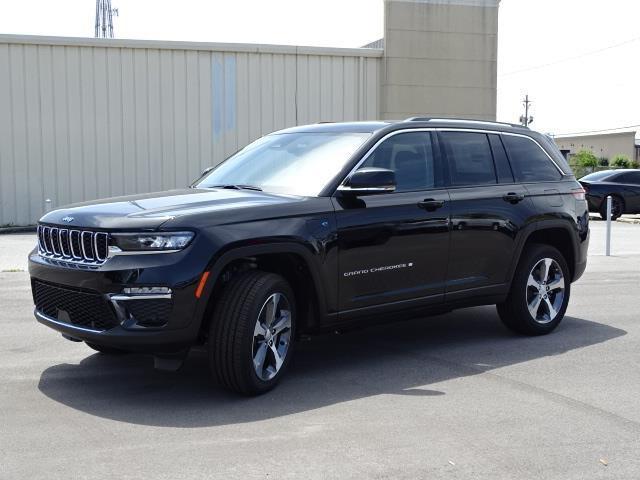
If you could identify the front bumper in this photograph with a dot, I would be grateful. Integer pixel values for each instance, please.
(91, 304)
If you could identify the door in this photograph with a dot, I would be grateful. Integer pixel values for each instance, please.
(488, 209)
(393, 247)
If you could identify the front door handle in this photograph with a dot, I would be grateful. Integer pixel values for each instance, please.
(429, 204)
(513, 197)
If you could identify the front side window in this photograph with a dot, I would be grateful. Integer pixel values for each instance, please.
(528, 161)
(469, 158)
(289, 163)
(410, 156)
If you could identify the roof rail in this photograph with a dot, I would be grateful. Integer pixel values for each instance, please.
(460, 120)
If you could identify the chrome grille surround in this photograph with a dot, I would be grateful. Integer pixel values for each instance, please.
(74, 246)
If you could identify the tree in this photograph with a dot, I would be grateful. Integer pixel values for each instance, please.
(621, 161)
(585, 158)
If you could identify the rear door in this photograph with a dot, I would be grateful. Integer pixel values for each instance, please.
(550, 191)
(488, 209)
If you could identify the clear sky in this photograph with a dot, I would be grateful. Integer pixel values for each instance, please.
(579, 60)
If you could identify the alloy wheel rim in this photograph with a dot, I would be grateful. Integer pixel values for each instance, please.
(271, 336)
(545, 290)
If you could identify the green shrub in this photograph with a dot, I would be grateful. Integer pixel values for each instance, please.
(621, 161)
(584, 158)
(604, 162)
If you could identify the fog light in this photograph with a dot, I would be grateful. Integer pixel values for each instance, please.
(146, 290)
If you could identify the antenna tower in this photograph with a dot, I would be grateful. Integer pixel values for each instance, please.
(104, 19)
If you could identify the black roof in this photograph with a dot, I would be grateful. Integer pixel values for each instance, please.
(375, 126)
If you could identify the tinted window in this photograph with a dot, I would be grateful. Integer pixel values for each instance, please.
(528, 161)
(628, 177)
(598, 176)
(500, 158)
(469, 158)
(410, 156)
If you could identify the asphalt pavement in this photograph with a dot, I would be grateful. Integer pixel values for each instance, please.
(452, 396)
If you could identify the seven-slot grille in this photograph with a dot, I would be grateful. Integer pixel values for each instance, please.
(82, 246)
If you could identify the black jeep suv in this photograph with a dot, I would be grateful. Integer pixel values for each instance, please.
(319, 228)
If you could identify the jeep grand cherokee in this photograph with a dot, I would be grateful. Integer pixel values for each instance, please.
(317, 228)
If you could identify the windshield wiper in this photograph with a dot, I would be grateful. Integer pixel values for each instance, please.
(238, 187)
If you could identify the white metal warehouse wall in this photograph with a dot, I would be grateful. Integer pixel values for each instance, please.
(83, 119)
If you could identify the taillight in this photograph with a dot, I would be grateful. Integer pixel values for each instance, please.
(579, 193)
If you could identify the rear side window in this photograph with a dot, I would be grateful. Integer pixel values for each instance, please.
(469, 158)
(528, 161)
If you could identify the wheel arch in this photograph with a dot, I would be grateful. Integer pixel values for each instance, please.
(292, 261)
(556, 234)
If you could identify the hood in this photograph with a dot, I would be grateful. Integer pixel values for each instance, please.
(149, 211)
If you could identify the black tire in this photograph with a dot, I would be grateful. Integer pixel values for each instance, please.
(617, 207)
(514, 312)
(231, 335)
(105, 350)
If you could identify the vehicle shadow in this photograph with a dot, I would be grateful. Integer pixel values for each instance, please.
(395, 359)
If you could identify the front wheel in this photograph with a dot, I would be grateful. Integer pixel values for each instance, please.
(252, 332)
(539, 292)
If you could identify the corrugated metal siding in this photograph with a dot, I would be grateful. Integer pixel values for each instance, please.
(80, 121)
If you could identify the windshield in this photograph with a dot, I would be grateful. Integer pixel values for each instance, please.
(290, 163)
(598, 175)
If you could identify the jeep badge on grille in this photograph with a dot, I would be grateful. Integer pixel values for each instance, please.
(67, 219)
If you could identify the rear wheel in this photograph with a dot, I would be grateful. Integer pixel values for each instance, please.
(539, 293)
(617, 207)
(105, 350)
(252, 332)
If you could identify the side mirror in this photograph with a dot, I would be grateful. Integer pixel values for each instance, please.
(370, 181)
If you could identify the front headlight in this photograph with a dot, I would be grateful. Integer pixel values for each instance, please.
(145, 242)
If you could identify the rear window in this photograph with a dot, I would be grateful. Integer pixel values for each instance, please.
(528, 161)
(469, 157)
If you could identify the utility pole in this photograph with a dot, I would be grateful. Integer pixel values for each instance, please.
(526, 119)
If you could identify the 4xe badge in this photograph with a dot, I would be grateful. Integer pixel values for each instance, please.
(67, 219)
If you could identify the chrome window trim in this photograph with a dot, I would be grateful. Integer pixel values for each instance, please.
(441, 129)
(344, 188)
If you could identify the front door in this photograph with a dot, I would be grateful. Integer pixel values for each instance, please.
(393, 247)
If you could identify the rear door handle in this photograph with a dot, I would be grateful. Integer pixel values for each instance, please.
(513, 197)
(429, 204)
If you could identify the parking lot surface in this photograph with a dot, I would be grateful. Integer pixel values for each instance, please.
(452, 396)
